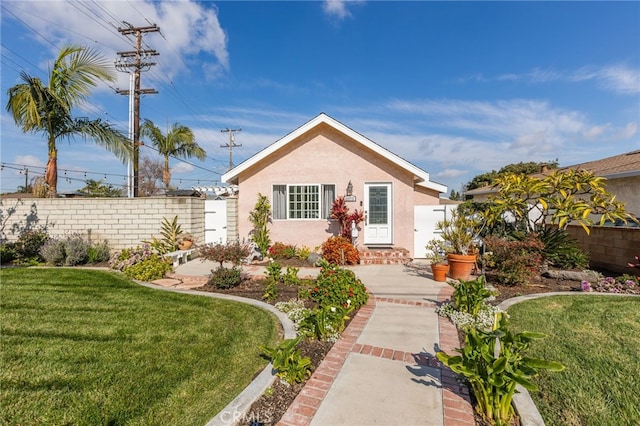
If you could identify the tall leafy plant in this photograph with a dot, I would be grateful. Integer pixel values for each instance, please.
(340, 213)
(260, 217)
(494, 373)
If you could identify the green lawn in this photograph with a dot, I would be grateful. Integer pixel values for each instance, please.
(91, 347)
(598, 339)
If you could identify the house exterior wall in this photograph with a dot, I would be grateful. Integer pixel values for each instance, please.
(608, 247)
(123, 222)
(627, 190)
(425, 196)
(326, 156)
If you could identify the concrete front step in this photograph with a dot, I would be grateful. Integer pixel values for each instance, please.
(384, 256)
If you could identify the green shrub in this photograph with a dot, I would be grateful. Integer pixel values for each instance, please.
(98, 252)
(561, 250)
(73, 250)
(303, 252)
(337, 286)
(290, 277)
(340, 251)
(273, 271)
(28, 246)
(222, 277)
(469, 307)
(324, 323)
(469, 296)
(515, 261)
(287, 361)
(53, 251)
(76, 250)
(270, 291)
(8, 253)
(152, 268)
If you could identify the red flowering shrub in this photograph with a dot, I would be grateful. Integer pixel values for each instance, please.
(515, 261)
(340, 251)
(282, 251)
(337, 286)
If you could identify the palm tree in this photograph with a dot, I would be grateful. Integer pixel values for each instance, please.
(46, 108)
(179, 142)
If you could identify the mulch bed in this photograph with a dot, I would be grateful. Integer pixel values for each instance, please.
(272, 405)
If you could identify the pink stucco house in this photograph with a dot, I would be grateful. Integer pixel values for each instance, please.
(303, 172)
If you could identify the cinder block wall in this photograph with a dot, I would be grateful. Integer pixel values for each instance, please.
(609, 247)
(232, 219)
(123, 222)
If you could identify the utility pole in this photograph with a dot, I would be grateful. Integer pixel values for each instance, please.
(231, 144)
(134, 59)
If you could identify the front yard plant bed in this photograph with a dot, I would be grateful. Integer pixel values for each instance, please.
(273, 404)
(92, 347)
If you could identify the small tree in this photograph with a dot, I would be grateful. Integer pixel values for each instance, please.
(260, 217)
(560, 198)
(150, 173)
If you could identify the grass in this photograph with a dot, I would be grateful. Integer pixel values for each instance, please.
(598, 339)
(91, 347)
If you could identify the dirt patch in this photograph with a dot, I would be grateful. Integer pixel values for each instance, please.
(536, 285)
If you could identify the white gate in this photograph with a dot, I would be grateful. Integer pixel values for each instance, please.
(425, 219)
(215, 221)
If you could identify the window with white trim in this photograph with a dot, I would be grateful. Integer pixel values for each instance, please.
(302, 201)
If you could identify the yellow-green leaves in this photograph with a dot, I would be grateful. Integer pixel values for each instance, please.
(561, 198)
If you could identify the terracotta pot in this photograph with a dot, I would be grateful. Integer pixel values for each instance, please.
(439, 271)
(185, 245)
(460, 265)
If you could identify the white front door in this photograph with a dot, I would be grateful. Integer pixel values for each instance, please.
(377, 213)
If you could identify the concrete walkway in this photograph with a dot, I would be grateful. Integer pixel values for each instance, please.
(383, 369)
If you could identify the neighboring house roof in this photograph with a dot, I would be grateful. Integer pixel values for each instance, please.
(616, 167)
(421, 177)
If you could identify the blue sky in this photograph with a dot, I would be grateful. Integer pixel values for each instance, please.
(457, 88)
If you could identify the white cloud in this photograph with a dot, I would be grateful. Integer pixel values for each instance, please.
(594, 132)
(617, 78)
(339, 8)
(629, 131)
(336, 8)
(620, 79)
(29, 161)
(188, 28)
(451, 173)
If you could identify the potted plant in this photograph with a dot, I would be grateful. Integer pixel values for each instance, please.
(185, 241)
(460, 233)
(436, 252)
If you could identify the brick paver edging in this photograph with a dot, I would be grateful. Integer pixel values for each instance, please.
(456, 403)
(457, 409)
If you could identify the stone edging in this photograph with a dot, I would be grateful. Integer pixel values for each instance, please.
(522, 402)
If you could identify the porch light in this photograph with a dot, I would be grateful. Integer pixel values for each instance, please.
(350, 189)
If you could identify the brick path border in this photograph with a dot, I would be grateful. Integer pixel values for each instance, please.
(457, 410)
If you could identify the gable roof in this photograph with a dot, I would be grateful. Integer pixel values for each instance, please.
(421, 177)
(615, 167)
